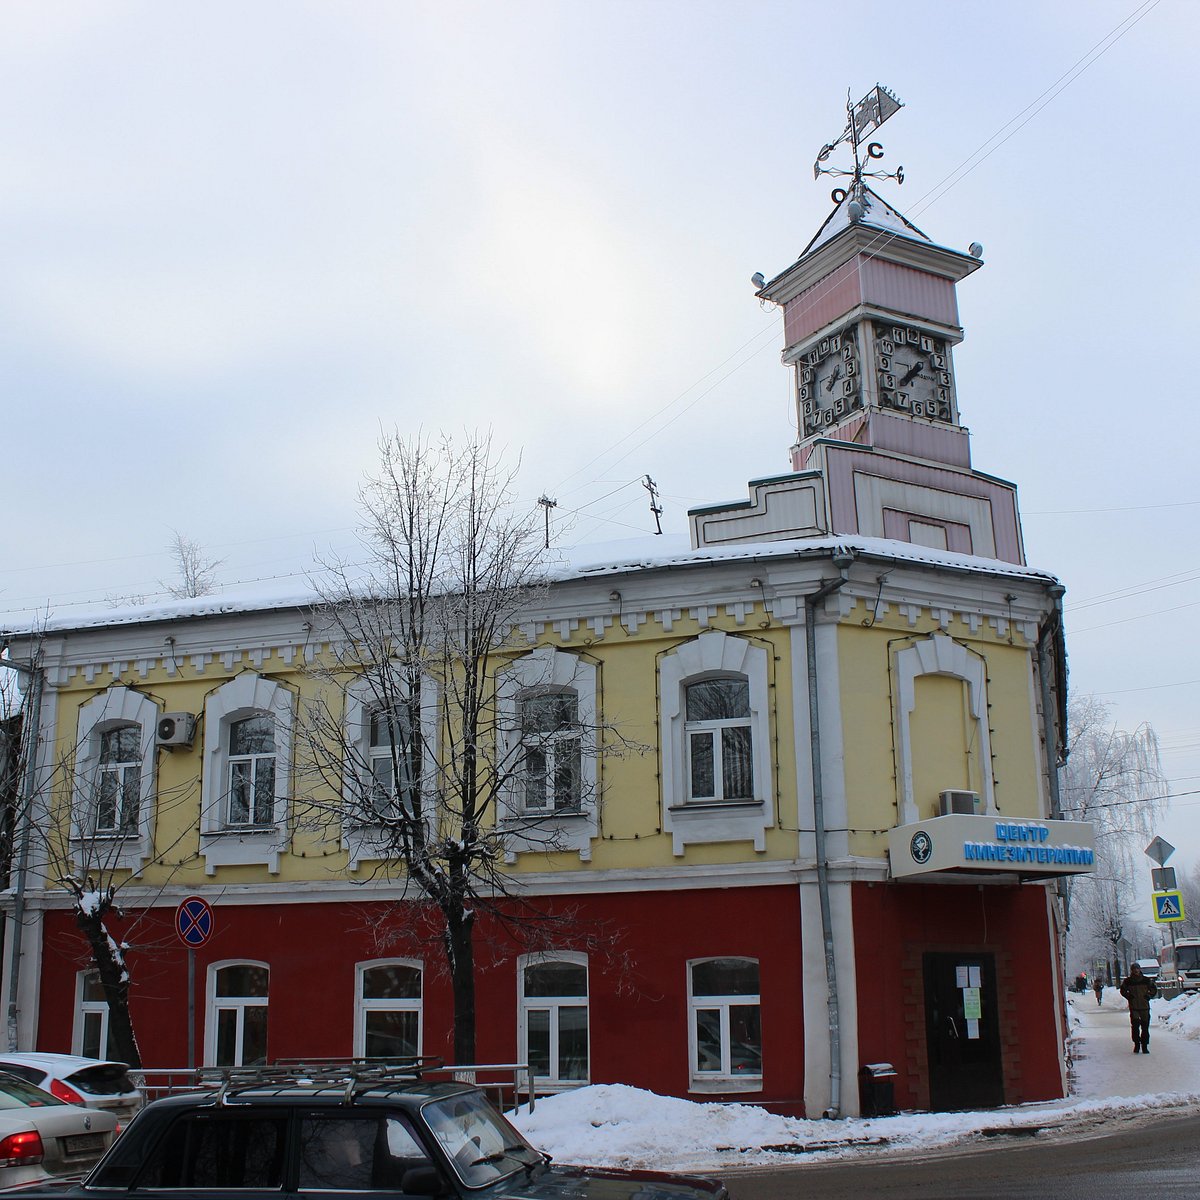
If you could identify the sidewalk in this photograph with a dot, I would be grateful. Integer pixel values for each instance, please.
(1105, 1066)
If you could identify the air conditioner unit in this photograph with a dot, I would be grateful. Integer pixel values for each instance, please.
(952, 801)
(176, 729)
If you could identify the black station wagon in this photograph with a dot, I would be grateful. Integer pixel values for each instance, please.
(367, 1132)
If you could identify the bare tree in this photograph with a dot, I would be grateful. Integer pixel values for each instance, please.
(413, 749)
(196, 573)
(1115, 779)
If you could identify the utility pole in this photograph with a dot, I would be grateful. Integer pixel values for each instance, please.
(655, 506)
(547, 504)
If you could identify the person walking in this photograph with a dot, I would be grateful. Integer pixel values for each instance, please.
(1139, 991)
(1098, 988)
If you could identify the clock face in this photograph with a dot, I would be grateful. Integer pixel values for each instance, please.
(828, 382)
(914, 372)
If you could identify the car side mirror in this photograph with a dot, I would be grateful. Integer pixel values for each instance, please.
(423, 1181)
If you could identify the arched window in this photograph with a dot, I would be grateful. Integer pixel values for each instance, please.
(237, 1014)
(551, 752)
(251, 792)
(725, 1027)
(553, 1000)
(91, 1022)
(388, 1001)
(720, 743)
(119, 780)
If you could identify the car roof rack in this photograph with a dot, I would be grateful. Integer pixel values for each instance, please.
(355, 1074)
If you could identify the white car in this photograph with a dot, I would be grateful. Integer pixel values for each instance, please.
(42, 1137)
(90, 1082)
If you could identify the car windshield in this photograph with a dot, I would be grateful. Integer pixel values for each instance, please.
(1188, 958)
(16, 1093)
(480, 1144)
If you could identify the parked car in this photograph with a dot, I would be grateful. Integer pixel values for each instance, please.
(43, 1138)
(347, 1129)
(90, 1082)
(1150, 967)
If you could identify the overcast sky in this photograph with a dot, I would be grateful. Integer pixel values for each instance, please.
(239, 238)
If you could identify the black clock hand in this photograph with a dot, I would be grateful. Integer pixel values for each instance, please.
(833, 379)
(911, 373)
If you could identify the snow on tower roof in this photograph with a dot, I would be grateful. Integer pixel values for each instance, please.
(877, 214)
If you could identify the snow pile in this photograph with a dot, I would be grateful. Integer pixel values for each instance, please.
(1181, 1015)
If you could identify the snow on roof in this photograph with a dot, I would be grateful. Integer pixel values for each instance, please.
(878, 214)
(574, 563)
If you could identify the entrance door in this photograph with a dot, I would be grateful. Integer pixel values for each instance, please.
(962, 1030)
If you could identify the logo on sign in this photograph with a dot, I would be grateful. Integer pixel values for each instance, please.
(921, 847)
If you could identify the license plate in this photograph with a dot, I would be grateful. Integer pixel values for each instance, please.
(84, 1143)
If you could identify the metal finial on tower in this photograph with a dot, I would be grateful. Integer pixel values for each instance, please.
(861, 119)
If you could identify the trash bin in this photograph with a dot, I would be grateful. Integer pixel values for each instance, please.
(877, 1090)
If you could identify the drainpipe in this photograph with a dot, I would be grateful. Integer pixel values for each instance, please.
(842, 559)
(1054, 722)
(32, 677)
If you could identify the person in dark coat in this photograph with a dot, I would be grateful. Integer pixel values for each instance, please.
(1139, 991)
(1098, 988)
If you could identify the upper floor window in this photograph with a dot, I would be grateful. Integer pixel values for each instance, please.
(389, 1010)
(554, 1018)
(237, 1016)
(715, 740)
(115, 776)
(551, 752)
(246, 776)
(389, 767)
(119, 785)
(252, 770)
(720, 742)
(726, 1028)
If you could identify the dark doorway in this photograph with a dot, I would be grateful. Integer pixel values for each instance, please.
(962, 1030)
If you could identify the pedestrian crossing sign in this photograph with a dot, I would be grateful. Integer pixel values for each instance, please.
(1168, 906)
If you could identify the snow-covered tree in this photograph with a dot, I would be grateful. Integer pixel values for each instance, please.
(196, 573)
(1113, 778)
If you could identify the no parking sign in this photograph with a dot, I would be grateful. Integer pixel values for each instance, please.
(194, 922)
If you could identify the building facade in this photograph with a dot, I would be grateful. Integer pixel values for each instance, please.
(830, 839)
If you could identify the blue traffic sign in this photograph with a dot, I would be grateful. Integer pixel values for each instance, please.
(194, 921)
(1168, 906)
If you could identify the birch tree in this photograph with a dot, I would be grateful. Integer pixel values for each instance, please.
(1113, 778)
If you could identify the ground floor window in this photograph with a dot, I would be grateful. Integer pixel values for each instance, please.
(725, 1022)
(91, 1027)
(237, 1014)
(388, 1021)
(554, 1018)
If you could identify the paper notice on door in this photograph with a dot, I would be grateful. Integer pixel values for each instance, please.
(972, 1008)
(976, 977)
(961, 977)
(972, 1029)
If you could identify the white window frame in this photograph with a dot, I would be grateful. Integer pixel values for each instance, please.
(572, 831)
(364, 1005)
(527, 1004)
(714, 654)
(221, 843)
(256, 761)
(112, 708)
(84, 1009)
(548, 744)
(366, 841)
(724, 1080)
(713, 730)
(239, 1004)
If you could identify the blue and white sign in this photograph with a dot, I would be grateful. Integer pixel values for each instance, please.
(962, 842)
(1168, 906)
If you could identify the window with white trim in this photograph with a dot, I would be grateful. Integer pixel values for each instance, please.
(91, 1023)
(551, 770)
(247, 762)
(237, 1014)
(115, 775)
(553, 1002)
(119, 781)
(388, 1000)
(251, 771)
(715, 741)
(725, 1024)
(719, 738)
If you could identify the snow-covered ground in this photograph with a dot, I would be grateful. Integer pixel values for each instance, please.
(618, 1126)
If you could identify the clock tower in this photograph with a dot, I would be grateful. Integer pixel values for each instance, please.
(870, 322)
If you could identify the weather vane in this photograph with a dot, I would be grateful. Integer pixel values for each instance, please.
(861, 119)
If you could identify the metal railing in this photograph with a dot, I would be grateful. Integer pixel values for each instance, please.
(509, 1084)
